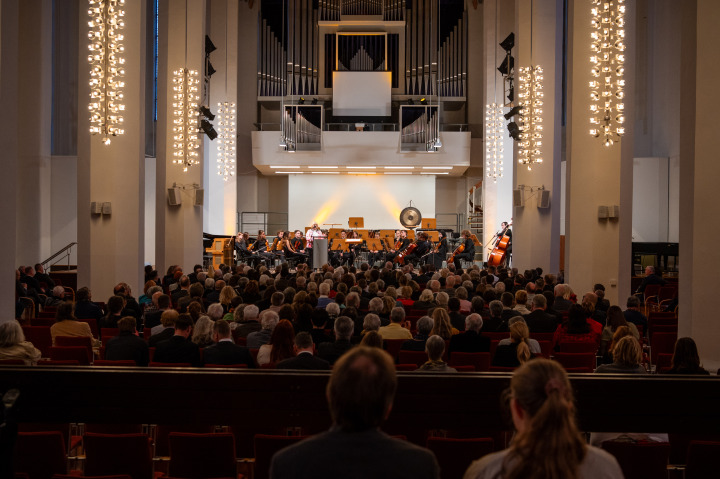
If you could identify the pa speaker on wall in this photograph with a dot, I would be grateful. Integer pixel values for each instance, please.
(174, 198)
(543, 199)
(95, 208)
(199, 197)
(519, 197)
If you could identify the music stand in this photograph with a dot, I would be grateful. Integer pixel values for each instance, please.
(387, 234)
(356, 222)
(339, 245)
(433, 236)
(428, 224)
(375, 244)
(334, 233)
(362, 233)
(411, 235)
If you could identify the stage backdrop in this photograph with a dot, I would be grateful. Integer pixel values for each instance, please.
(377, 198)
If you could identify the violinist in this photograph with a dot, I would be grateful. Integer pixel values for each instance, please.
(294, 248)
(278, 246)
(243, 251)
(261, 247)
(467, 248)
(402, 242)
(423, 247)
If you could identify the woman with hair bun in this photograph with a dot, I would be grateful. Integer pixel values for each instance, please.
(547, 443)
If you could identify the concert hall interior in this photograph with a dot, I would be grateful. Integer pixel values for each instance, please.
(322, 111)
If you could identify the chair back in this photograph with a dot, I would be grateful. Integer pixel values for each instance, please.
(42, 321)
(265, 447)
(542, 336)
(70, 341)
(640, 460)
(480, 361)
(12, 362)
(545, 348)
(662, 343)
(109, 332)
(578, 347)
(40, 454)
(108, 454)
(496, 336)
(406, 367)
(40, 337)
(217, 458)
(70, 353)
(154, 364)
(577, 360)
(163, 431)
(455, 455)
(703, 459)
(92, 322)
(392, 346)
(412, 357)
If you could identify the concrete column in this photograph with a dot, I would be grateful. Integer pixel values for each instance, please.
(111, 246)
(35, 98)
(9, 129)
(221, 195)
(699, 143)
(179, 228)
(497, 195)
(536, 231)
(597, 251)
(247, 95)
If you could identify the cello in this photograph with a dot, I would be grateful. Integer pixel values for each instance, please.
(457, 251)
(499, 251)
(400, 258)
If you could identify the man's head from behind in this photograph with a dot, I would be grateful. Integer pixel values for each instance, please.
(361, 389)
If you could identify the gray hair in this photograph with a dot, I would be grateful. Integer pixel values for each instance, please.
(473, 322)
(539, 301)
(269, 319)
(215, 311)
(324, 288)
(425, 325)
(435, 347)
(59, 292)
(426, 295)
(333, 309)
(352, 300)
(496, 308)
(442, 298)
(209, 283)
(151, 290)
(376, 305)
(203, 329)
(397, 314)
(11, 333)
(251, 312)
(516, 319)
(344, 327)
(371, 322)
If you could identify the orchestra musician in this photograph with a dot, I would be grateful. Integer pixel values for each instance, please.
(468, 252)
(243, 251)
(373, 254)
(442, 247)
(294, 247)
(402, 242)
(338, 258)
(312, 233)
(278, 245)
(261, 247)
(508, 232)
(423, 247)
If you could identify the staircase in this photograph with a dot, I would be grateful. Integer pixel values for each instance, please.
(475, 215)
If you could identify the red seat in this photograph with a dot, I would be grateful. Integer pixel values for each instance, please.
(70, 341)
(465, 368)
(640, 460)
(545, 348)
(217, 457)
(703, 459)
(114, 428)
(70, 353)
(108, 454)
(40, 337)
(12, 362)
(495, 336)
(241, 341)
(147, 333)
(480, 361)
(412, 357)
(92, 322)
(169, 365)
(392, 346)
(661, 343)
(254, 352)
(42, 322)
(265, 447)
(163, 431)
(578, 347)
(40, 454)
(500, 369)
(542, 336)
(455, 455)
(109, 332)
(664, 362)
(58, 362)
(577, 360)
(61, 427)
(650, 295)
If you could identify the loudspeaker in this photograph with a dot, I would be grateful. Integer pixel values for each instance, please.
(107, 208)
(613, 211)
(199, 197)
(543, 199)
(174, 198)
(519, 197)
(96, 208)
(602, 212)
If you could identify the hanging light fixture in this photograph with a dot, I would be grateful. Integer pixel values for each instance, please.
(494, 118)
(106, 67)
(530, 83)
(227, 142)
(607, 88)
(185, 117)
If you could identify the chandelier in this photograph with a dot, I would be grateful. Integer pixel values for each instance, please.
(494, 141)
(607, 108)
(185, 117)
(531, 102)
(106, 67)
(228, 137)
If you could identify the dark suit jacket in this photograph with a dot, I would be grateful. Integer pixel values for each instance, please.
(331, 352)
(304, 361)
(457, 320)
(562, 304)
(152, 319)
(177, 350)
(88, 310)
(166, 333)
(539, 321)
(226, 352)
(469, 342)
(246, 327)
(127, 346)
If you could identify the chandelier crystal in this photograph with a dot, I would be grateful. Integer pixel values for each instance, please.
(494, 141)
(531, 103)
(106, 67)
(227, 137)
(185, 117)
(607, 108)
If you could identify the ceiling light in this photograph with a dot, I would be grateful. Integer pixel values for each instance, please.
(323, 167)
(325, 172)
(288, 172)
(433, 173)
(437, 167)
(360, 167)
(283, 167)
(399, 167)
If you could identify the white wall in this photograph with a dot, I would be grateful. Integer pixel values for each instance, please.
(378, 198)
(63, 205)
(650, 200)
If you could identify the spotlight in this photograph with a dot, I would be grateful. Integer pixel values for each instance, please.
(508, 43)
(210, 70)
(207, 113)
(423, 101)
(514, 130)
(301, 101)
(511, 93)
(515, 111)
(314, 101)
(208, 129)
(410, 101)
(507, 65)
(209, 46)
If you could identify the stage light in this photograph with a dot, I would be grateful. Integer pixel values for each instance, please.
(508, 43)
(207, 113)
(514, 111)
(410, 101)
(314, 101)
(301, 101)
(210, 70)
(209, 46)
(423, 101)
(208, 129)
(507, 65)
(514, 130)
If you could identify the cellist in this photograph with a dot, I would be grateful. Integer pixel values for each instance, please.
(466, 249)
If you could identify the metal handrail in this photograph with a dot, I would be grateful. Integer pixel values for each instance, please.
(65, 250)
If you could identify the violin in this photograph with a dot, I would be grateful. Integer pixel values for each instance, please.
(457, 251)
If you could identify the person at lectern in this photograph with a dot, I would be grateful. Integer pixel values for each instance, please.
(312, 233)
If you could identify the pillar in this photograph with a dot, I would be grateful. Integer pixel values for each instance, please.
(597, 251)
(111, 246)
(536, 231)
(178, 228)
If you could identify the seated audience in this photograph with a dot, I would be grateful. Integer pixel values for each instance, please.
(435, 347)
(457, 319)
(152, 319)
(127, 344)
(14, 346)
(534, 345)
(202, 334)
(395, 329)
(547, 442)
(615, 319)
(539, 320)
(268, 321)
(280, 346)
(248, 321)
(360, 395)
(225, 351)
(577, 328)
(116, 307)
(517, 352)
(426, 300)
(331, 351)
(57, 297)
(494, 322)
(685, 358)
(633, 314)
(179, 348)
(371, 322)
(627, 355)
(165, 330)
(84, 307)
(424, 328)
(441, 324)
(66, 324)
(304, 358)
(372, 339)
(472, 340)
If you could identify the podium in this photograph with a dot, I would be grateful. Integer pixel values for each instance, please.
(221, 251)
(319, 253)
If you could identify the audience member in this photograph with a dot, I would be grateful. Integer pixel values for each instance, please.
(179, 348)
(280, 346)
(268, 321)
(166, 328)
(633, 314)
(225, 351)
(441, 324)
(539, 321)
(66, 324)
(517, 351)
(304, 358)
(472, 340)
(372, 339)
(14, 346)
(685, 359)
(424, 328)
(249, 322)
(435, 347)
(127, 345)
(331, 351)
(627, 355)
(395, 329)
(202, 334)
(84, 307)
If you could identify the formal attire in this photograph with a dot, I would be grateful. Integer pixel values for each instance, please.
(394, 331)
(538, 321)
(365, 454)
(163, 335)
(88, 310)
(227, 352)
(177, 349)
(469, 342)
(331, 352)
(128, 346)
(304, 360)
(258, 338)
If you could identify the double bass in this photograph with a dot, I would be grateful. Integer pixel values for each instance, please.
(498, 254)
